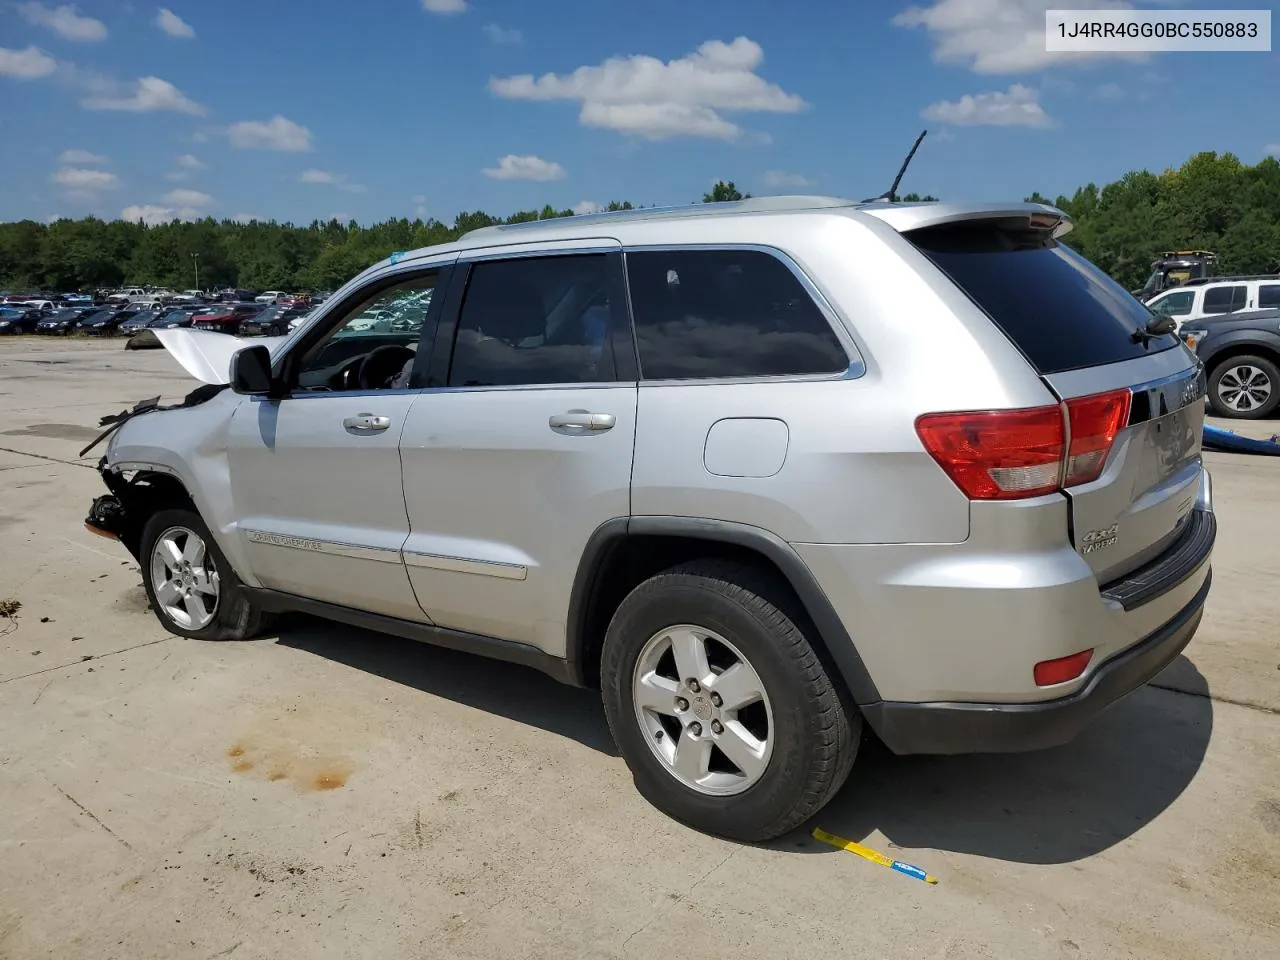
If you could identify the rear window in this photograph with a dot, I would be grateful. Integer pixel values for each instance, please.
(1060, 310)
(1269, 295)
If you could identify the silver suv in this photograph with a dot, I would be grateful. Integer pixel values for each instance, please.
(769, 473)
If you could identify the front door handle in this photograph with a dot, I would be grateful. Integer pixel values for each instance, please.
(582, 420)
(363, 423)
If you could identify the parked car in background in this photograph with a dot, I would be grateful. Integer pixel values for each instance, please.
(1217, 296)
(19, 318)
(76, 299)
(300, 320)
(45, 307)
(180, 316)
(105, 322)
(270, 296)
(64, 321)
(226, 317)
(1241, 353)
(271, 322)
(140, 320)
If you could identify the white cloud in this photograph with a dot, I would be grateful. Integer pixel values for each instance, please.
(999, 36)
(84, 179)
(512, 167)
(444, 6)
(190, 161)
(1019, 106)
(278, 133)
(419, 202)
(81, 156)
(646, 97)
(64, 21)
(505, 36)
(188, 198)
(29, 64)
(777, 179)
(153, 215)
(338, 180)
(174, 25)
(1272, 149)
(342, 217)
(585, 207)
(148, 95)
(248, 218)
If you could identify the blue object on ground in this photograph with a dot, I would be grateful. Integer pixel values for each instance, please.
(1215, 438)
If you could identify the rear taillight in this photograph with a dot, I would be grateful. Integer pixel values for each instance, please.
(1094, 421)
(1014, 454)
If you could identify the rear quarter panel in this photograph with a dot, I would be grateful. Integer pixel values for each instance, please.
(854, 469)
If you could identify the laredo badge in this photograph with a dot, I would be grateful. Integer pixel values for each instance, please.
(1096, 540)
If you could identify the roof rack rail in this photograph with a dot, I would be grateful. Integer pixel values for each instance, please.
(1232, 278)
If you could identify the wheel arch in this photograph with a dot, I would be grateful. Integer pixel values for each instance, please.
(1241, 344)
(149, 489)
(624, 551)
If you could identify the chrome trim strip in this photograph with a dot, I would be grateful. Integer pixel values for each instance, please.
(484, 568)
(333, 548)
(1159, 398)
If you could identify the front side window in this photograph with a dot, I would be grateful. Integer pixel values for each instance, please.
(726, 314)
(365, 350)
(535, 320)
(1224, 299)
(1175, 304)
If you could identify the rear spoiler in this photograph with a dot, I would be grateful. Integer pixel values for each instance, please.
(905, 217)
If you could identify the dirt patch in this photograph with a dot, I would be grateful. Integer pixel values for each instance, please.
(55, 431)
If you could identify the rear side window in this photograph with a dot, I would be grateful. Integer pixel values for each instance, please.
(1060, 310)
(726, 313)
(1225, 299)
(535, 320)
(1269, 295)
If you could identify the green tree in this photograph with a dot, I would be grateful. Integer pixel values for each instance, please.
(724, 192)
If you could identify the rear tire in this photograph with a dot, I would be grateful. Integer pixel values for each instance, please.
(1245, 387)
(752, 772)
(189, 583)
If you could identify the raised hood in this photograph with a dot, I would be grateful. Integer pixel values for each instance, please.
(206, 355)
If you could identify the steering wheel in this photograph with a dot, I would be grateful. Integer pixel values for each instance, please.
(381, 365)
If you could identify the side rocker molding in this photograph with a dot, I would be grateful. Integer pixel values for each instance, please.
(611, 535)
(273, 601)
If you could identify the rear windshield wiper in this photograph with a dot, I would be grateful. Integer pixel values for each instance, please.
(1157, 327)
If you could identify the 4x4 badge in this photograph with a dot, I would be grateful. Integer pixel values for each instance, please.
(1099, 539)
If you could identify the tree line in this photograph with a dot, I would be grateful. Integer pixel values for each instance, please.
(1212, 202)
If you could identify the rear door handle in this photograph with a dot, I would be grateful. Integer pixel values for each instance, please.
(366, 423)
(582, 420)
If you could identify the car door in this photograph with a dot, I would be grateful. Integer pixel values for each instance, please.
(520, 445)
(315, 475)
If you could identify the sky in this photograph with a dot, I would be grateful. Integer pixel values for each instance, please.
(292, 110)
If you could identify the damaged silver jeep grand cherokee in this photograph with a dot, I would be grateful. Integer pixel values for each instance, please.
(764, 472)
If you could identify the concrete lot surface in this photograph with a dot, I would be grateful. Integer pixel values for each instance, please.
(327, 793)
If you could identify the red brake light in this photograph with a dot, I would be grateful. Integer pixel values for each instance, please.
(997, 454)
(1049, 672)
(1013, 454)
(1095, 421)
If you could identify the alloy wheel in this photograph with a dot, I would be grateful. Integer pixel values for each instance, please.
(184, 579)
(703, 710)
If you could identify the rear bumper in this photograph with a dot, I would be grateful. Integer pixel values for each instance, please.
(948, 728)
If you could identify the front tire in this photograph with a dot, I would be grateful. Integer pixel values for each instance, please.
(720, 705)
(189, 583)
(1245, 388)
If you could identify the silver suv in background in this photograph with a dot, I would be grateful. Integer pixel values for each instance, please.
(767, 473)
